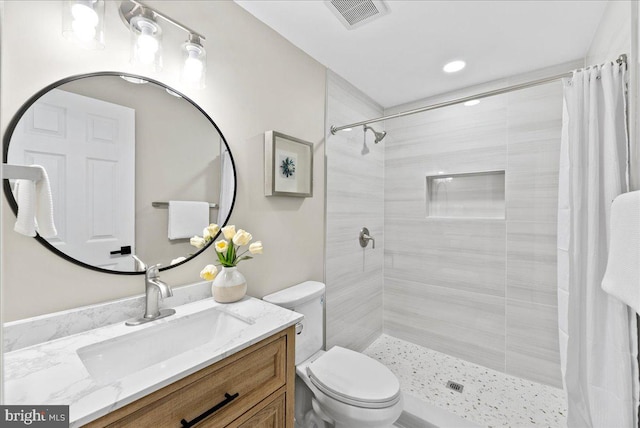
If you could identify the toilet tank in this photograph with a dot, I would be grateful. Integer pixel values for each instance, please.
(307, 299)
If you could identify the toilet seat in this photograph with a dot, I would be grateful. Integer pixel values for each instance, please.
(354, 378)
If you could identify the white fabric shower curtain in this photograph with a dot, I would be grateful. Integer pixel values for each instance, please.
(598, 337)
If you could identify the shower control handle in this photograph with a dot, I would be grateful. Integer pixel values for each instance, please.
(365, 238)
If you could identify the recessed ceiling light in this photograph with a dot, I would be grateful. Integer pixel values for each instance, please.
(454, 66)
(472, 103)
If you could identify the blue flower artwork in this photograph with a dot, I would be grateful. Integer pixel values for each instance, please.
(288, 167)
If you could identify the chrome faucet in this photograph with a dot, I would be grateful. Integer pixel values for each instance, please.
(154, 289)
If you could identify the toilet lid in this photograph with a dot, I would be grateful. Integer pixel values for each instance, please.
(354, 378)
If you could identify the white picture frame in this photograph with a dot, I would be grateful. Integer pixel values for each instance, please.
(288, 166)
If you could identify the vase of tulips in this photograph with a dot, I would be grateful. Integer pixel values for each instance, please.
(229, 285)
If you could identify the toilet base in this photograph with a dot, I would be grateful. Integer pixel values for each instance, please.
(332, 413)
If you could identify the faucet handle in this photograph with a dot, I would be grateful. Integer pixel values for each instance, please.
(364, 238)
(153, 272)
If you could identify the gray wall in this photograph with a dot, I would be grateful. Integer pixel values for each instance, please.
(257, 81)
(355, 199)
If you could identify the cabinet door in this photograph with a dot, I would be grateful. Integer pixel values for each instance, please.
(272, 416)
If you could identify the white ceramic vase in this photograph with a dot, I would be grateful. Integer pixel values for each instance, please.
(229, 285)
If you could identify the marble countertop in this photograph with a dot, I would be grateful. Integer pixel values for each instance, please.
(52, 372)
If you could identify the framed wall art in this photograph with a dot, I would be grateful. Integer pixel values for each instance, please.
(288, 166)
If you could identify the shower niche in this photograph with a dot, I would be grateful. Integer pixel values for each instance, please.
(478, 195)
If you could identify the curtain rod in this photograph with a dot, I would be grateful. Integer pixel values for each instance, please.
(622, 59)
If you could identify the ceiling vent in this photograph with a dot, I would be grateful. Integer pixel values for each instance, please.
(354, 13)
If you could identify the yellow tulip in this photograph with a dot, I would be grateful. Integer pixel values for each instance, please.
(221, 246)
(209, 272)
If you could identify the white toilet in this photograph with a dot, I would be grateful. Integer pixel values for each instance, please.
(338, 387)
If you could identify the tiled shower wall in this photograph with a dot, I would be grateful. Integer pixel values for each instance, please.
(355, 199)
(482, 289)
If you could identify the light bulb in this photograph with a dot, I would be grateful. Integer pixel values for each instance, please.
(83, 31)
(84, 14)
(195, 63)
(83, 22)
(193, 69)
(147, 43)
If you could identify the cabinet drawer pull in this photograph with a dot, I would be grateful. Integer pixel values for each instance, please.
(228, 399)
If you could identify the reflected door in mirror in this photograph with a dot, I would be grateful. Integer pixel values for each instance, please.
(87, 147)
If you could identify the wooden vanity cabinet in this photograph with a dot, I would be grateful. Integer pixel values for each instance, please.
(262, 376)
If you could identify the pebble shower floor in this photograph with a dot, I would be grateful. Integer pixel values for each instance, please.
(489, 398)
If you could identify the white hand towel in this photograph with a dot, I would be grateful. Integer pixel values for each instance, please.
(622, 277)
(44, 206)
(35, 206)
(187, 218)
(25, 194)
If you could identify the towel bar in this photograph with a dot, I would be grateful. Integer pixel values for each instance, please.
(14, 172)
(166, 205)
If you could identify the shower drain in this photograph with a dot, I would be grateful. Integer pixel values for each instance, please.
(455, 386)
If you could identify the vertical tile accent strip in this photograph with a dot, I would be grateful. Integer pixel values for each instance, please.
(355, 199)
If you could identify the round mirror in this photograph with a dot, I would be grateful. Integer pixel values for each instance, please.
(134, 167)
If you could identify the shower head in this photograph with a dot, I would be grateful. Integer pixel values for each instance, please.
(379, 135)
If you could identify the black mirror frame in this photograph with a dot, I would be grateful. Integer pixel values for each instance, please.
(23, 109)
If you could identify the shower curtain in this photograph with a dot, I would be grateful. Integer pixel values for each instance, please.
(598, 337)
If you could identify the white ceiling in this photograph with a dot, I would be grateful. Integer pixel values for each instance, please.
(398, 58)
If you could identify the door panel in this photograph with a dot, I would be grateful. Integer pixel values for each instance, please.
(87, 147)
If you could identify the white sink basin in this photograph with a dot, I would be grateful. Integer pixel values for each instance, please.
(118, 357)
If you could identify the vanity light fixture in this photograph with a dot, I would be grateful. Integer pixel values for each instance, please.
(83, 22)
(146, 41)
(194, 65)
(146, 45)
(454, 66)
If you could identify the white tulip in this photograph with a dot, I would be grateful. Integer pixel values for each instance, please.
(221, 246)
(209, 273)
(256, 247)
(197, 242)
(242, 237)
(178, 260)
(209, 232)
(229, 232)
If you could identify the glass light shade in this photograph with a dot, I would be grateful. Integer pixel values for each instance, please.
(83, 22)
(194, 65)
(146, 44)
